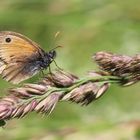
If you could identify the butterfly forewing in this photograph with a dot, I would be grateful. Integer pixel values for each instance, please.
(19, 47)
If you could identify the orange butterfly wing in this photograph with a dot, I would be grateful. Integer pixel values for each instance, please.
(15, 51)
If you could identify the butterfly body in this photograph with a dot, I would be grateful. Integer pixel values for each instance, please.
(21, 58)
(36, 64)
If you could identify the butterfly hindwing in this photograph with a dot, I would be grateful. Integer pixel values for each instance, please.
(16, 73)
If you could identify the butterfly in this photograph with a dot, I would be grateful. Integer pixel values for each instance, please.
(21, 58)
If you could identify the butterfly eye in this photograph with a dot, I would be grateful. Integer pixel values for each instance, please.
(8, 40)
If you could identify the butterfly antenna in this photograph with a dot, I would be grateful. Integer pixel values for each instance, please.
(55, 37)
(56, 34)
(54, 40)
(55, 48)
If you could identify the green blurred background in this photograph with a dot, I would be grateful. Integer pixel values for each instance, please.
(86, 26)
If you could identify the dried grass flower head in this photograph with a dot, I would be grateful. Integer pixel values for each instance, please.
(42, 97)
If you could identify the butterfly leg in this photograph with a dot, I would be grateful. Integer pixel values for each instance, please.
(50, 72)
(41, 74)
(57, 65)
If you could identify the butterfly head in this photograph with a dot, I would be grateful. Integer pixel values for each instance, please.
(48, 58)
(52, 54)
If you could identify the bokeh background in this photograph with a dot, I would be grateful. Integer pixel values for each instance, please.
(86, 26)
